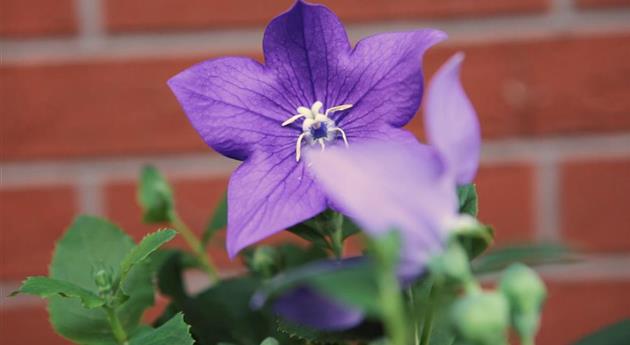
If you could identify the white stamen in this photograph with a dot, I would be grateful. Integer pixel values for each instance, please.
(292, 119)
(343, 135)
(298, 147)
(322, 144)
(314, 120)
(338, 108)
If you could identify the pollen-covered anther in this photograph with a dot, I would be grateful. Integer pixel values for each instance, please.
(317, 127)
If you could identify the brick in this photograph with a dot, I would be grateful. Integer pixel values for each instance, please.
(28, 18)
(588, 4)
(28, 325)
(566, 85)
(133, 15)
(575, 309)
(31, 220)
(595, 199)
(506, 201)
(78, 109)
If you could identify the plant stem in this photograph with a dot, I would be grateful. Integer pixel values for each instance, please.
(427, 326)
(116, 325)
(393, 310)
(337, 235)
(416, 331)
(198, 249)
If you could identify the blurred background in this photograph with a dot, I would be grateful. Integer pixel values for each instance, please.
(84, 104)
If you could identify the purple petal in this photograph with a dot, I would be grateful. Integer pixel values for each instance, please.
(306, 307)
(235, 105)
(386, 186)
(304, 48)
(451, 122)
(383, 79)
(266, 194)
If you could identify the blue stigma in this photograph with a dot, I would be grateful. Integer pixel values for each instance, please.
(320, 132)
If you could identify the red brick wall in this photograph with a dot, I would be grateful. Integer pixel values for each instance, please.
(84, 104)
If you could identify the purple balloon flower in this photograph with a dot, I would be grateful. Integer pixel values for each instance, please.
(314, 91)
(409, 188)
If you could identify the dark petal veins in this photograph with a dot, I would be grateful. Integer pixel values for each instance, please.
(268, 193)
(305, 48)
(383, 79)
(235, 105)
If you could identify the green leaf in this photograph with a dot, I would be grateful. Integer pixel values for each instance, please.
(155, 196)
(149, 244)
(468, 201)
(217, 222)
(349, 228)
(173, 332)
(366, 331)
(475, 240)
(92, 244)
(529, 254)
(615, 334)
(46, 287)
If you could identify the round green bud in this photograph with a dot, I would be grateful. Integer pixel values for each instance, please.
(452, 265)
(103, 280)
(482, 319)
(263, 260)
(525, 292)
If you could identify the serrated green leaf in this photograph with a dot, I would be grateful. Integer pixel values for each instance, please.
(615, 334)
(46, 287)
(217, 222)
(529, 254)
(173, 332)
(155, 196)
(149, 244)
(89, 245)
(468, 200)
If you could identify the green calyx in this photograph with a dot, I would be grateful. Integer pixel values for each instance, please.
(482, 318)
(526, 293)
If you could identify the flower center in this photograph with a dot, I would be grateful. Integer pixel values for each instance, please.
(317, 127)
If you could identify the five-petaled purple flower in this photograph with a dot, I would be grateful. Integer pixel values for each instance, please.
(314, 91)
(409, 188)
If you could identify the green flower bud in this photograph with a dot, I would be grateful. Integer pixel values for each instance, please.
(482, 319)
(525, 292)
(263, 260)
(452, 265)
(103, 281)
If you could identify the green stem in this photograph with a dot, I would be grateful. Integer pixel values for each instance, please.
(195, 244)
(117, 327)
(393, 310)
(416, 331)
(337, 236)
(427, 326)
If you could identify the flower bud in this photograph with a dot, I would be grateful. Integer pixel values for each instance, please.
(482, 319)
(103, 281)
(452, 265)
(525, 292)
(263, 261)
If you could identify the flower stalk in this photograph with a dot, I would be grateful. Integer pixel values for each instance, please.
(117, 328)
(336, 236)
(195, 244)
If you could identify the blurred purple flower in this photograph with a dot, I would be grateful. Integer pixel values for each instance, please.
(451, 122)
(314, 90)
(409, 188)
